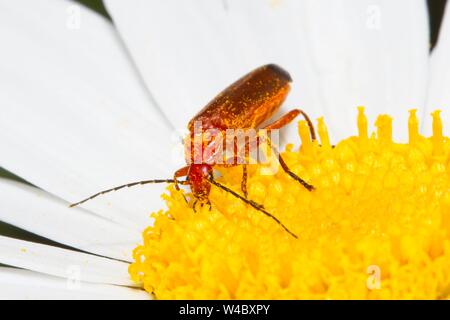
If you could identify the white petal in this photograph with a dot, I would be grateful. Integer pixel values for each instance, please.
(370, 53)
(75, 117)
(63, 263)
(36, 211)
(439, 83)
(341, 54)
(24, 284)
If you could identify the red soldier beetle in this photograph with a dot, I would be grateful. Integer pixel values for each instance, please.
(246, 103)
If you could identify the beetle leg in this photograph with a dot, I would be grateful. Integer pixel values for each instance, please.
(281, 122)
(286, 168)
(288, 117)
(180, 173)
(193, 206)
(289, 172)
(244, 180)
(211, 177)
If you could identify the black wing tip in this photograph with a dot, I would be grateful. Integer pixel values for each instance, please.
(279, 71)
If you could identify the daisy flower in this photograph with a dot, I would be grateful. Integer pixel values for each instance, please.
(87, 104)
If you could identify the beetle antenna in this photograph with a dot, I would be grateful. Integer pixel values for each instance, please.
(124, 186)
(253, 204)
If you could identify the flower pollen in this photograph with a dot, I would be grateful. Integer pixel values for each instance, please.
(377, 225)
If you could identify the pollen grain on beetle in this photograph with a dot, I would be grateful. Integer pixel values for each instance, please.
(377, 225)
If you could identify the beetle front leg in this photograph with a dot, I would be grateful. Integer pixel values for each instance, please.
(181, 173)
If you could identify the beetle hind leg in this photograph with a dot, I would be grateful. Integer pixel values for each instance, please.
(288, 117)
(281, 122)
(286, 169)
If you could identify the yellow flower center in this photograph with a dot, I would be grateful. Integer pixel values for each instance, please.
(377, 225)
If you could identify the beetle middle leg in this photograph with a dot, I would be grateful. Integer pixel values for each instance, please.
(244, 180)
(245, 161)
